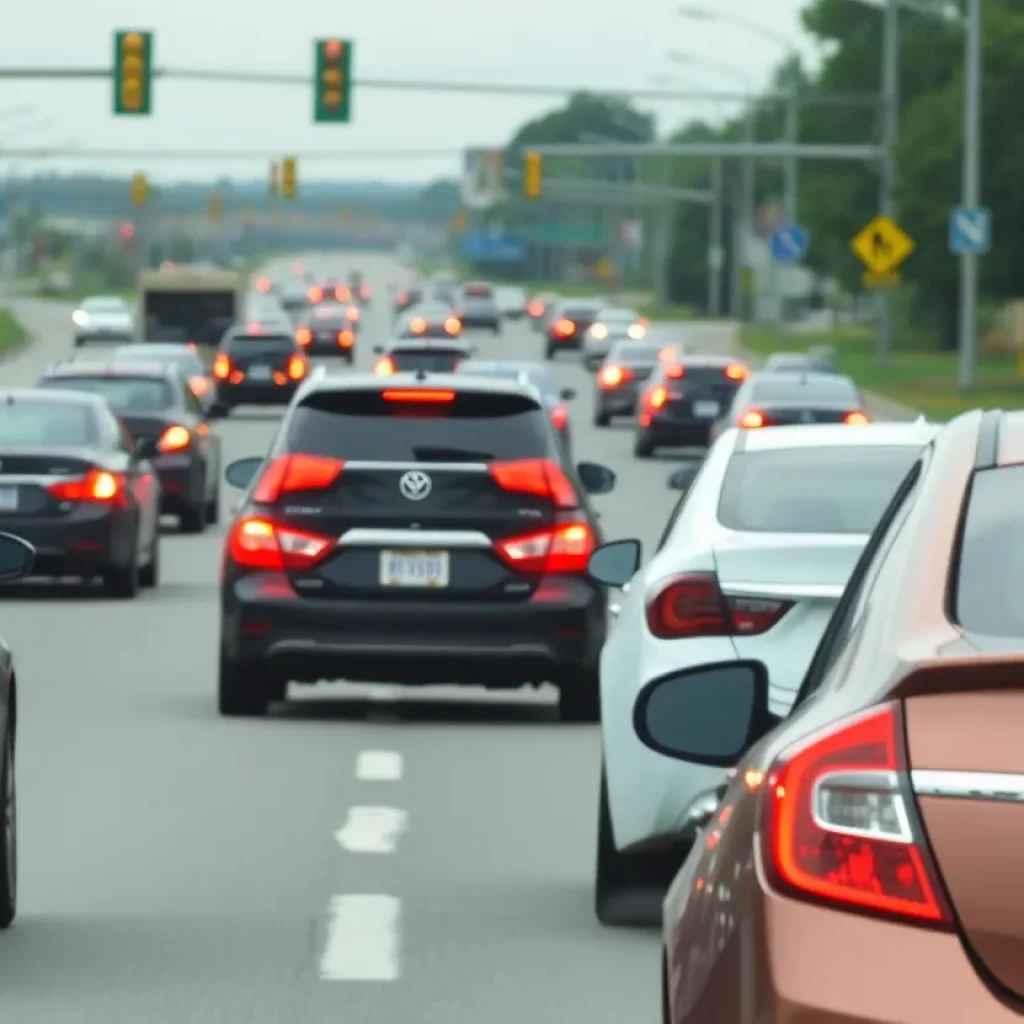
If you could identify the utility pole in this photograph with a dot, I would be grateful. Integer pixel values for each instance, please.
(792, 164)
(890, 133)
(715, 242)
(971, 186)
(749, 206)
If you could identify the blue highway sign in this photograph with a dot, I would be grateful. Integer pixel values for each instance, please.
(970, 231)
(789, 243)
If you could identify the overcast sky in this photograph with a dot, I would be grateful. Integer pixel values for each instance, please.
(576, 43)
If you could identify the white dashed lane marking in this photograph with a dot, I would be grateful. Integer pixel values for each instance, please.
(371, 829)
(362, 939)
(379, 766)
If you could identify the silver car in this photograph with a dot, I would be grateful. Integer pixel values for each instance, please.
(102, 318)
(613, 325)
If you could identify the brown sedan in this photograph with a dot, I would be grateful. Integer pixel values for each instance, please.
(865, 862)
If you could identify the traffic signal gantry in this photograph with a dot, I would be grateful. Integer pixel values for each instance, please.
(133, 73)
(533, 175)
(332, 97)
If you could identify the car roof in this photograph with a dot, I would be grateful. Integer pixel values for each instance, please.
(710, 359)
(809, 379)
(426, 344)
(51, 395)
(490, 365)
(110, 368)
(837, 435)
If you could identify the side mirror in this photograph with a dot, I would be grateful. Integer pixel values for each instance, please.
(145, 448)
(567, 394)
(17, 557)
(596, 479)
(615, 564)
(682, 479)
(707, 715)
(242, 472)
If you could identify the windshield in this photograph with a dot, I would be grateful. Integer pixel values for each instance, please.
(331, 312)
(126, 394)
(635, 354)
(812, 490)
(45, 424)
(535, 376)
(619, 316)
(805, 389)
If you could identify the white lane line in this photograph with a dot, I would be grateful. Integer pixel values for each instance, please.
(362, 939)
(371, 829)
(379, 766)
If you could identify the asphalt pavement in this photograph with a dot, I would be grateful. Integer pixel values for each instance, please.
(365, 854)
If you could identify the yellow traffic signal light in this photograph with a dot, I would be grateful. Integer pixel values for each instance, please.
(289, 178)
(133, 72)
(532, 175)
(214, 209)
(140, 189)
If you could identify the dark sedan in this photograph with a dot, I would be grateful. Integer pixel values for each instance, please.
(620, 379)
(569, 324)
(330, 330)
(75, 485)
(411, 356)
(183, 357)
(157, 406)
(429, 321)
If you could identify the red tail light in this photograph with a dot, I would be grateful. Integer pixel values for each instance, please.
(693, 604)
(841, 826)
(296, 367)
(541, 477)
(564, 328)
(364, 292)
(559, 417)
(346, 339)
(418, 325)
(260, 544)
(736, 371)
(752, 419)
(288, 474)
(403, 298)
(453, 325)
(384, 367)
(675, 371)
(221, 366)
(656, 398)
(857, 418)
(199, 386)
(304, 336)
(564, 549)
(613, 376)
(352, 314)
(263, 284)
(315, 294)
(96, 486)
(535, 308)
(418, 395)
(342, 294)
(174, 439)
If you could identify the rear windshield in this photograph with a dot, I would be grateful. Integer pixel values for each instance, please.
(619, 316)
(260, 344)
(475, 427)
(635, 353)
(812, 490)
(990, 583)
(127, 394)
(835, 389)
(334, 312)
(580, 312)
(478, 291)
(430, 360)
(46, 424)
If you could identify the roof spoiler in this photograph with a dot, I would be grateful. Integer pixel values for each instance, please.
(974, 672)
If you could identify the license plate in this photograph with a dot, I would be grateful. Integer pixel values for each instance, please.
(706, 410)
(8, 499)
(260, 373)
(414, 569)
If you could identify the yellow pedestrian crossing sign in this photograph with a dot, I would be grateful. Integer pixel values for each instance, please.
(882, 246)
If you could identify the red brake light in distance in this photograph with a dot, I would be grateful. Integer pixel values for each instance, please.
(857, 418)
(296, 367)
(304, 336)
(199, 386)
(418, 325)
(315, 294)
(559, 417)
(352, 314)
(346, 339)
(657, 398)
(221, 366)
(751, 419)
(453, 325)
(535, 308)
(840, 826)
(692, 605)
(417, 395)
(174, 439)
(97, 486)
(292, 473)
(675, 371)
(564, 328)
(542, 477)
(384, 367)
(736, 371)
(566, 548)
(613, 376)
(255, 543)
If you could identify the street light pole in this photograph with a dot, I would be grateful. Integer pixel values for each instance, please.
(971, 186)
(792, 164)
(890, 134)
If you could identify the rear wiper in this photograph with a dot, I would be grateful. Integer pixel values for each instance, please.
(429, 454)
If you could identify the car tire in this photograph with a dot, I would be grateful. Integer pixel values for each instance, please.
(9, 849)
(193, 517)
(549, 351)
(123, 581)
(643, 446)
(149, 575)
(242, 690)
(579, 697)
(213, 508)
(79, 342)
(602, 419)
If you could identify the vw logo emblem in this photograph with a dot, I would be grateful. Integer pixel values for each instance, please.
(415, 485)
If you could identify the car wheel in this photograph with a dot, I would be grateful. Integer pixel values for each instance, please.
(9, 853)
(643, 447)
(123, 581)
(666, 1005)
(579, 697)
(242, 691)
(193, 517)
(213, 508)
(149, 575)
(549, 352)
(602, 419)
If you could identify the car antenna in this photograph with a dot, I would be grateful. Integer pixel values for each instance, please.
(421, 374)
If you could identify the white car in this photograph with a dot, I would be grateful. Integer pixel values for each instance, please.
(751, 564)
(103, 318)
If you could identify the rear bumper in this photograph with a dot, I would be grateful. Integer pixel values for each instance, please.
(181, 481)
(574, 341)
(84, 542)
(99, 334)
(330, 348)
(676, 429)
(615, 401)
(255, 394)
(558, 631)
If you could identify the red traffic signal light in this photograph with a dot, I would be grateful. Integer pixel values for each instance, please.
(333, 49)
(127, 230)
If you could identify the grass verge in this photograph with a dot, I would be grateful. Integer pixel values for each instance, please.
(12, 335)
(924, 380)
(654, 311)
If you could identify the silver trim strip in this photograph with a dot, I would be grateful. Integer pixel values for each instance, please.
(862, 782)
(962, 785)
(360, 537)
(425, 467)
(39, 480)
(797, 591)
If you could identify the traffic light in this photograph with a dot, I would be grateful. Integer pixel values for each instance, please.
(213, 209)
(333, 86)
(140, 190)
(532, 172)
(133, 73)
(289, 178)
(127, 231)
(275, 180)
